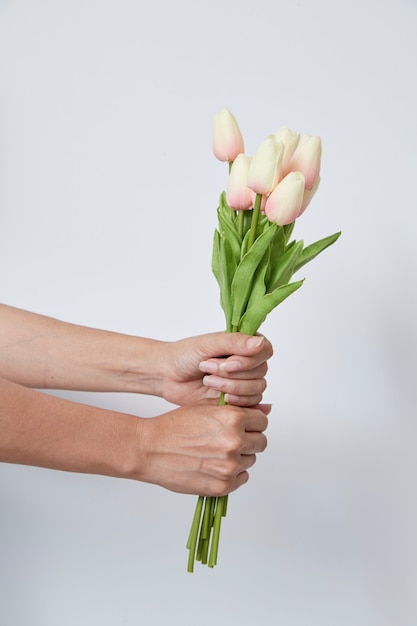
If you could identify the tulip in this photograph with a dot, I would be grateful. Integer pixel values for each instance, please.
(227, 138)
(265, 168)
(290, 139)
(306, 159)
(284, 204)
(238, 194)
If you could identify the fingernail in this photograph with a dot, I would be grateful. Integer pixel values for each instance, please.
(214, 382)
(254, 342)
(209, 367)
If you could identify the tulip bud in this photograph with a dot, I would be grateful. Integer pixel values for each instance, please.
(290, 139)
(227, 138)
(284, 204)
(238, 194)
(306, 159)
(265, 168)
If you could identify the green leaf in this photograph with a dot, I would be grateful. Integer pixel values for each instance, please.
(226, 212)
(243, 278)
(276, 251)
(223, 203)
(218, 267)
(229, 265)
(256, 314)
(259, 286)
(314, 249)
(229, 231)
(288, 231)
(216, 258)
(247, 221)
(244, 247)
(282, 272)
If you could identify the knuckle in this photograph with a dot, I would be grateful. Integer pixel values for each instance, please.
(268, 349)
(229, 470)
(263, 442)
(231, 386)
(233, 445)
(234, 416)
(253, 400)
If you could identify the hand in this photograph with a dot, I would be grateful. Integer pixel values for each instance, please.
(205, 449)
(200, 368)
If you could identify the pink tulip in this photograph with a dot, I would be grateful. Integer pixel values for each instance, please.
(284, 204)
(290, 139)
(265, 168)
(238, 194)
(306, 159)
(227, 138)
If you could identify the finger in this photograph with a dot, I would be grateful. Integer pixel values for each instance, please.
(265, 408)
(246, 352)
(221, 343)
(241, 479)
(249, 401)
(236, 387)
(255, 444)
(248, 460)
(244, 401)
(256, 421)
(239, 364)
(237, 368)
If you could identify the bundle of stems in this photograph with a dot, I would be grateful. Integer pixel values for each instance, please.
(253, 262)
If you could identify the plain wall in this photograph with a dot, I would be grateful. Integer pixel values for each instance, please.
(108, 195)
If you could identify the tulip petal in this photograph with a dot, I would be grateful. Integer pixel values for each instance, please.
(308, 196)
(238, 194)
(265, 168)
(290, 139)
(306, 159)
(284, 203)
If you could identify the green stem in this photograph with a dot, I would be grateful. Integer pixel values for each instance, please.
(241, 222)
(255, 216)
(205, 528)
(222, 401)
(212, 561)
(193, 538)
(207, 519)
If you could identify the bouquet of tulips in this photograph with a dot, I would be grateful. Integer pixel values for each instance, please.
(254, 257)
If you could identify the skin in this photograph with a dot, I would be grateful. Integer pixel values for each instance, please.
(200, 447)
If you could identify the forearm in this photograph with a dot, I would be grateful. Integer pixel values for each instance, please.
(45, 353)
(41, 430)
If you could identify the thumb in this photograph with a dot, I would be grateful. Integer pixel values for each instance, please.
(227, 344)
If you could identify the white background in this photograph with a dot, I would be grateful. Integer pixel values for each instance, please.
(108, 191)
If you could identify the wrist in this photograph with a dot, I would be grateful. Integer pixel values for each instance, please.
(139, 366)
